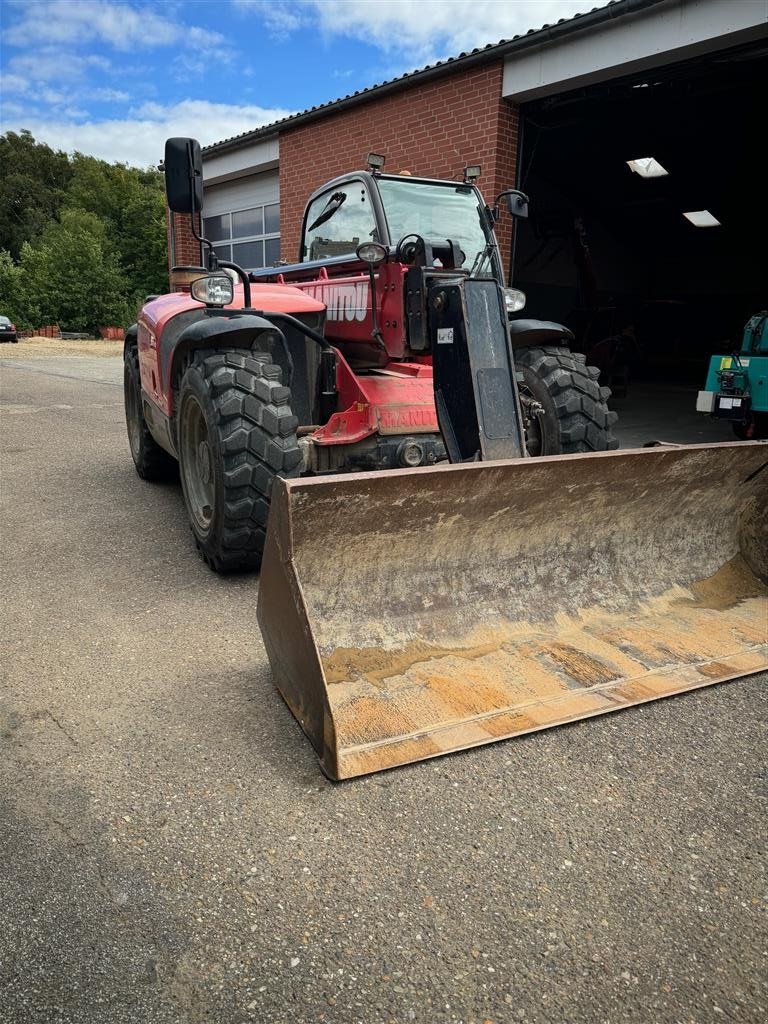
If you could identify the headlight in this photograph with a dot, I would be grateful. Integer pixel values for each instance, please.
(214, 290)
(515, 299)
(371, 253)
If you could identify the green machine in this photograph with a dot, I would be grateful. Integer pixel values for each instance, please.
(737, 384)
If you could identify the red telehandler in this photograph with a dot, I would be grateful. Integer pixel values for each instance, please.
(450, 550)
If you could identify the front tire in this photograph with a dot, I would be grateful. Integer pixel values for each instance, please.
(236, 433)
(564, 407)
(151, 461)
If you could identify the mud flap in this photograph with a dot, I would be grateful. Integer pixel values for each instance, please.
(415, 612)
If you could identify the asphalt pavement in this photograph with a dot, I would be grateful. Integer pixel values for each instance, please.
(170, 852)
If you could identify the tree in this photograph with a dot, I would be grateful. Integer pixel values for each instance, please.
(71, 276)
(144, 245)
(132, 205)
(11, 292)
(33, 183)
(77, 230)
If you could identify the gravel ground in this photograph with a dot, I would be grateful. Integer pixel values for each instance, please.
(169, 850)
(46, 348)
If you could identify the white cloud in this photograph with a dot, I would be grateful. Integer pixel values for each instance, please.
(52, 98)
(13, 109)
(34, 77)
(48, 83)
(95, 61)
(419, 31)
(281, 18)
(123, 26)
(46, 65)
(140, 139)
(13, 84)
(110, 95)
(192, 66)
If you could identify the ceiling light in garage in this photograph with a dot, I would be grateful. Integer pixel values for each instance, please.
(702, 219)
(647, 167)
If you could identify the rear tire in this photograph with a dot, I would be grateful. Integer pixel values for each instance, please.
(572, 415)
(236, 433)
(151, 461)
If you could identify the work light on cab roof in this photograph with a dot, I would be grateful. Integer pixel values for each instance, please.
(372, 253)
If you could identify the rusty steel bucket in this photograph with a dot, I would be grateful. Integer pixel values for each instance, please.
(414, 612)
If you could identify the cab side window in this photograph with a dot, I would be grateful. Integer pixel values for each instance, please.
(337, 222)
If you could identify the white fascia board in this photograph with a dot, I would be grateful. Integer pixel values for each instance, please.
(244, 161)
(659, 35)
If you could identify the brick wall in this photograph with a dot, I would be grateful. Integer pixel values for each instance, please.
(432, 130)
(183, 247)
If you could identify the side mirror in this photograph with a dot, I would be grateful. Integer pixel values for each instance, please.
(184, 175)
(517, 202)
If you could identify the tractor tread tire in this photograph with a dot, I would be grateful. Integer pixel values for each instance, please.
(151, 461)
(255, 440)
(572, 398)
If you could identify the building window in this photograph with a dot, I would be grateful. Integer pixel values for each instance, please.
(250, 238)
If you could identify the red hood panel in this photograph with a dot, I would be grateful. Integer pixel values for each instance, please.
(278, 298)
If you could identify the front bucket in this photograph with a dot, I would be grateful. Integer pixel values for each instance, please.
(414, 612)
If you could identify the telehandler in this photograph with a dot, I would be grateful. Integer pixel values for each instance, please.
(367, 425)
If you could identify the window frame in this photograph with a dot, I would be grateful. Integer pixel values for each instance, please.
(326, 193)
(230, 241)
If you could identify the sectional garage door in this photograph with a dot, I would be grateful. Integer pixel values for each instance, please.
(242, 219)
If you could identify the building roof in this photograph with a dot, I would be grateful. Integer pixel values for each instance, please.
(480, 55)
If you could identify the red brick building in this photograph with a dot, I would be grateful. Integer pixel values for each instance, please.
(432, 129)
(431, 125)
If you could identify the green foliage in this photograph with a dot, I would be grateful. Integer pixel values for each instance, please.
(132, 205)
(72, 277)
(33, 183)
(81, 241)
(11, 298)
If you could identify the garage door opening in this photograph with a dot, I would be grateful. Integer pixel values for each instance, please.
(648, 230)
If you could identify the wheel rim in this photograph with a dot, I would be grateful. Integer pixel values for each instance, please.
(133, 414)
(535, 438)
(197, 469)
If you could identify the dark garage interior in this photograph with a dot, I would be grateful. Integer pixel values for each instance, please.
(608, 251)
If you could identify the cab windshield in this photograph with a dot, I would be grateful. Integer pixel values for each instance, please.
(437, 212)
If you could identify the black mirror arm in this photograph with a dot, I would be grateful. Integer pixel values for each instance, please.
(213, 263)
(518, 208)
(240, 273)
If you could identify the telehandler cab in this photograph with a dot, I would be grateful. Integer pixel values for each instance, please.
(430, 607)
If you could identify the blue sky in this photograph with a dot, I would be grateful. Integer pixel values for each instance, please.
(114, 78)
